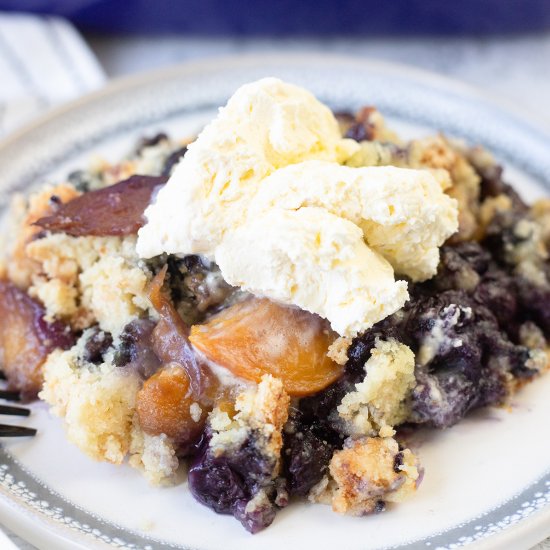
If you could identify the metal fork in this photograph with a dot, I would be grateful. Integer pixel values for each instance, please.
(7, 430)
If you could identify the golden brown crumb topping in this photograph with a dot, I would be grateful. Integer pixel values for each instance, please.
(366, 473)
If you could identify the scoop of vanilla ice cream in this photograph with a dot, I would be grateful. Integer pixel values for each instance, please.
(315, 260)
(404, 214)
(266, 125)
(263, 193)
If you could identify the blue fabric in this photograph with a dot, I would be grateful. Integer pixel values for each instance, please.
(297, 17)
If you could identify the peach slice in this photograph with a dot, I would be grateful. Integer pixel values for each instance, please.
(170, 338)
(114, 210)
(165, 405)
(258, 336)
(26, 339)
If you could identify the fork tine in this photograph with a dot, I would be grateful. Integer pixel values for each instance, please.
(10, 395)
(14, 411)
(15, 431)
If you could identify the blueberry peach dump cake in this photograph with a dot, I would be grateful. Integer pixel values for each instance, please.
(270, 302)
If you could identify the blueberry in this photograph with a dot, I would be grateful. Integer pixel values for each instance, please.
(215, 484)
(379, 507)
(361, 346)
(257, 519)
(81, 180)
(497, 291)
(397, 462)
(172, 160)
(135, 348)
(442, 318)
(440, 400)
(460, 267)
(96, 345)
(493, 184)
(150, 141)
(360, 132)
(502, 238)
(228, 481)
(534, 302)
(190, 289)
(308, 448)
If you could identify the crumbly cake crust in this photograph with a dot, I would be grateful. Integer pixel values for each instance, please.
(153, 455)
(379, 402)
(86, 280)
(262, 410)
(365, 474)
(96, 402)
(23, 213)
(338, 350)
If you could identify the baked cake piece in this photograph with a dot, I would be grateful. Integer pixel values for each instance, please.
(275, 355)
(366, 474)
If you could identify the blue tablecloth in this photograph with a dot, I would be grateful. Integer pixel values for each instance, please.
(298, 17)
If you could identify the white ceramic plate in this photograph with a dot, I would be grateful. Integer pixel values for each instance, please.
(487, 481)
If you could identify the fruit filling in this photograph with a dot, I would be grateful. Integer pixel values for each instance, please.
(256, 337)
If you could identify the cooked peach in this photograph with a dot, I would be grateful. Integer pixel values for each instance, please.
(114, 210)
(26, 339)
(170, 338)
(257, 336)
(165, 405)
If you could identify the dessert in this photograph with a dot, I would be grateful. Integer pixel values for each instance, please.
(272, 302)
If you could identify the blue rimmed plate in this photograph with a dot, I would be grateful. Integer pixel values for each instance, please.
(487, 482)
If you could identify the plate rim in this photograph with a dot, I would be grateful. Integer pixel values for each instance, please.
(128, 82)
(535, 522)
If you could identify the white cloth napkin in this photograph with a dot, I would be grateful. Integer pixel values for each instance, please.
(43, 62)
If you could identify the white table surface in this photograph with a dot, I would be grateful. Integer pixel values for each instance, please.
(515, 69)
